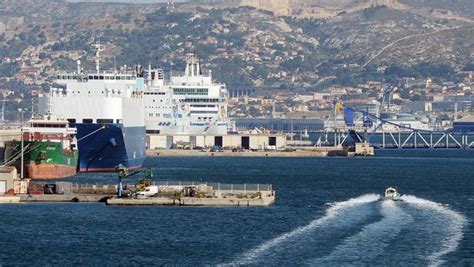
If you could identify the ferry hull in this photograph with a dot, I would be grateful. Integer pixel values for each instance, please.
(104, 147)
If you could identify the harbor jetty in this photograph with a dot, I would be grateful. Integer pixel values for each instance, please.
(202, 194)
(360, 149)
(168, 193)
(9, 199)
(59, 191)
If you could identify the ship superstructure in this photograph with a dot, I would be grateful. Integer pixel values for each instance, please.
(191, 104)
(107, 110)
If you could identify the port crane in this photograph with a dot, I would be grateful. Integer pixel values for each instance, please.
(399, 136)
(387, 97)
(124, 172)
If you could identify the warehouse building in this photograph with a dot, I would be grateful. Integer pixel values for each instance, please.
(229, 141)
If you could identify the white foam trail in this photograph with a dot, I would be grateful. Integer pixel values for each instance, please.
(331, 213)
(456, 226)
(371, 241)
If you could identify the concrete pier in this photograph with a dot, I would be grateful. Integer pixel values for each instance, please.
(64, 198)
(9, 199)
(202, 194)
(315, 152)
(302, 152)
(155, 201)
(193, 201)
(243, 202)
(168, 193)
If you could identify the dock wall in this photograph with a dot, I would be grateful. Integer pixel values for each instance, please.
(9, 199)
(64, 198)
(247, 141)
(226, 153)
(193, 201)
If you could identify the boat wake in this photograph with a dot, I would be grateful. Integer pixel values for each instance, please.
(366, 231)
(452, 222)
(372, 239)
(332, 213)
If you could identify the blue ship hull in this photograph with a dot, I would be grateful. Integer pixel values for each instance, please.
(104, 147)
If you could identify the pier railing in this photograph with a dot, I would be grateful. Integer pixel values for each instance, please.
(235, 188)
(222, 187)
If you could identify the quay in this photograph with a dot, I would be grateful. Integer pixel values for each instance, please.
(64, 198)
(261, 144)
(58, 191)
(168, 193)
(202, 194)
(306, 151)
(230, 153)
(9, 199)
(191, 201)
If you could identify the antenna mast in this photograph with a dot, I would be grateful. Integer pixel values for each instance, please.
(98, 48)
(50, 99)
(3, 111)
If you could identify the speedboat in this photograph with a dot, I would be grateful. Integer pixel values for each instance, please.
(391, 193)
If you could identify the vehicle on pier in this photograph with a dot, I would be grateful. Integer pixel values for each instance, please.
(149, 191)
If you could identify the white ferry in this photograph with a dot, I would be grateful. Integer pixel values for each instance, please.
(191, 104)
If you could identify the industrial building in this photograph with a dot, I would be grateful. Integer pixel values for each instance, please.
(229, 141)
(279, 125)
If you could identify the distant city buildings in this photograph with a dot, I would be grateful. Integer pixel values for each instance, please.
(425, 99)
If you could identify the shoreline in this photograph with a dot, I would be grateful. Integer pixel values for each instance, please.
(313, 152)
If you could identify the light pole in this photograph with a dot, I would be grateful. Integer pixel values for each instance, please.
(22, 144)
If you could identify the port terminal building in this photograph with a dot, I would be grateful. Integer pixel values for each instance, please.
(283, 125)
(229, 141)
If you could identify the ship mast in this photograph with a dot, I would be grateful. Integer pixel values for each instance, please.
(98, 48)
(192, 65)
(2, 118)
(50, 105)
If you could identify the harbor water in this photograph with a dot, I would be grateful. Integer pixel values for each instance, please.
(329, 211)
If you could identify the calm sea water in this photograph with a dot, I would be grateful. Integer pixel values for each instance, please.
(328, 212)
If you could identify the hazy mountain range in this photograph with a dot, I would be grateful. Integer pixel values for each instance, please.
(286, 43)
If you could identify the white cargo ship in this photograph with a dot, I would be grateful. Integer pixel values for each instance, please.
(107, 110)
